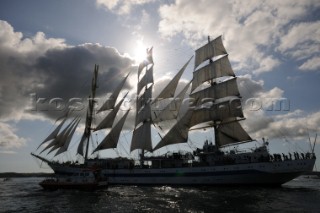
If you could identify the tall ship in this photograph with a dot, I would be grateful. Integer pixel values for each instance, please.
(211, 100)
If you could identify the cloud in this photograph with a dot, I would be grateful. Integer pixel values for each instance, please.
(9, 139)
(302, 40)
(121, 7)
(311, 64)
(253, 31)
(268, 113)
(295, 126)
(47, 68)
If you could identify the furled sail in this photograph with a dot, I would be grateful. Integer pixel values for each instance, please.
(210, 50)
(169, 90)
(178, 133)
(109, 119)
(231, 133)
(111, 101)
(218, 68)
(111, 140)
(218, 90)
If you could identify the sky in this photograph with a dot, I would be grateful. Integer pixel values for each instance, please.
(48, 49)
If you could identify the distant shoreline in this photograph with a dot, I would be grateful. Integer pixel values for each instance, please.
(17, 174)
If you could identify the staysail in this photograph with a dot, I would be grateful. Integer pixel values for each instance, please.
(111, 140)
(109, 119)
(169, 90)
(171, 110)
(111, 101)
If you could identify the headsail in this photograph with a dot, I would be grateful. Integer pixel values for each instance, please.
(54, 133)
(60, 140)
(68, 139)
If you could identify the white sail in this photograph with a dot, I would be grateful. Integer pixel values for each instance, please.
(80, 149)
(111, 140)
(217, 112)
(146, 62)
(144, 114)
(109, 119)
(66, 144)
(62, 138)
(111, 101)
(219, 90)
(178, 133)
(212, 49)
(169, 90)
(230, 133)
(144, 98)
(141, 138)
(54, 133)
(55, 143)
(219, 68)
(171, 112)
(146, 79)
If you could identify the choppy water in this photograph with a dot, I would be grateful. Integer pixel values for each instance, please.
(25, 195)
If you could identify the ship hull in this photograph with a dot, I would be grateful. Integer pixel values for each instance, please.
(263, 173)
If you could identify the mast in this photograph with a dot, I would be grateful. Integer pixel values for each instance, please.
(141, 138)
(91, 106)
(87, 131)
(220, 105)
(215, 125)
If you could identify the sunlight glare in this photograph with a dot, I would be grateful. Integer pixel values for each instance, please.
(140, 52)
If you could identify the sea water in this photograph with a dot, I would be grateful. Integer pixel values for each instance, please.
(25, 195)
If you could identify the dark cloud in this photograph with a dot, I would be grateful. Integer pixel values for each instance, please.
(47, 68)
(68, 72)
(38, 67)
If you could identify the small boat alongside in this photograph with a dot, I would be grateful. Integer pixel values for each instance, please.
(83, 180)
